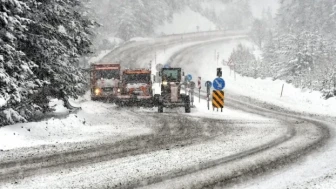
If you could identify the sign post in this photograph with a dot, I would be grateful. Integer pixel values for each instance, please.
(191, 93)
(187, 80)
(158, 67)
(199, 89)
(208, 85)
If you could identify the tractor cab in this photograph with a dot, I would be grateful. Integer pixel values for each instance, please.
(171, 96)
(170, 77)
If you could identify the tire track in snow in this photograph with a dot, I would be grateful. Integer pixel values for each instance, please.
(315, 138)
(156, 179)
(129, 56)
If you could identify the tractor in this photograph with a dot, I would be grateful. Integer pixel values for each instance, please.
(171, 96)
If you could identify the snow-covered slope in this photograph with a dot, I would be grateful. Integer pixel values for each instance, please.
(257, 6)
(215, 5)
(265, 90)
(186, 22)
(95, 123)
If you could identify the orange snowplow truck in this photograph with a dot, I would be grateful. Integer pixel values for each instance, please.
(136, 88)
(105, 81)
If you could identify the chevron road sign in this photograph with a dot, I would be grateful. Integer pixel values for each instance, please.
(218, 99)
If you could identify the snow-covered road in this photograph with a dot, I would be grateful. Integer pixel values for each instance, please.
(316, 170)
(131, 147)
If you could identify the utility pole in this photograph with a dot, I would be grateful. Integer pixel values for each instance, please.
(283, 85)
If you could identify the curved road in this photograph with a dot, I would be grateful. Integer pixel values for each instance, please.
(218, 163)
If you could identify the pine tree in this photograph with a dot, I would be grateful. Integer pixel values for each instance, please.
(40, 43)
(17, 81)
(57, 38)
(303, 49)
(258, 32)
(245, 61)
(127, 22)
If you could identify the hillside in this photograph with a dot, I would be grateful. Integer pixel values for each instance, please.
(181, 23)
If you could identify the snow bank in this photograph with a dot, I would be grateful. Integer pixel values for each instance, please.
(115, 40)
(95, 121)
(201, 110)
(181, 23)
(140, 39)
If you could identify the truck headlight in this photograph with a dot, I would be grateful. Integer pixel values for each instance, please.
(118, 90)
(97, 91)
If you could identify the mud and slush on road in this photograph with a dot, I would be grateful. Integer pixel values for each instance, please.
(182, 151)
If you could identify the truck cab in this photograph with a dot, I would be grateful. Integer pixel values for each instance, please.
(105, 81)
(136, 88)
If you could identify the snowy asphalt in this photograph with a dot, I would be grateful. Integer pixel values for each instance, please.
(299, 122)
(226, 150)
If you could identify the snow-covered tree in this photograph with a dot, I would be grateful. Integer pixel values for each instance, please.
(57, 37)
(17, 81)
(302, 47)
(245, 61)
(40, 43)
(258, 32)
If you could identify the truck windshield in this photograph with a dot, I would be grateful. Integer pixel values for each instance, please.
(107, 74)
(171, 75)
(137, 78)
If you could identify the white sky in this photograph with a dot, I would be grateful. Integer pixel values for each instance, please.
(258, 5)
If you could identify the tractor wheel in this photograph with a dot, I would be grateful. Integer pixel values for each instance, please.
(156, 99)
(187, 104)
(160, 108)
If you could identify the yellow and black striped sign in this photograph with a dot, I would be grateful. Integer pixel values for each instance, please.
(218, 99)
